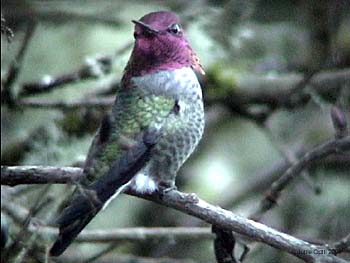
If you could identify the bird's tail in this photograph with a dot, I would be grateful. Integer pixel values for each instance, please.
(89, 201)
(69, 230)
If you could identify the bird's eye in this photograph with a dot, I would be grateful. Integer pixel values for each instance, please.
(175, 29)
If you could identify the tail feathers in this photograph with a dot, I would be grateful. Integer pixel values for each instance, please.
(88, 202)
(82, 209)
(68, 234)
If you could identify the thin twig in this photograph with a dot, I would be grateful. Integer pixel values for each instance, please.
(136, 234)
(93, 68)
(290, 157)
(319, 152)
(250, 91)
(342, 246)
(24, 236)
(120, 258)
(103, 103)
(260, 182)
(15, 67)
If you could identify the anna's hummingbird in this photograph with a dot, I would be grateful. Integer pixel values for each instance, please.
(157, 117)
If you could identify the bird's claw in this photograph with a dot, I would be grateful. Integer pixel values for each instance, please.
(191, 198)
(164, 189)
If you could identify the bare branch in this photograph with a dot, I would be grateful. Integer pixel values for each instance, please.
(91, 69)
(341, 246)
(105, 102)
(271, 93)
(190, 204)
(261, 181)
(14, 175)
(135, 234)
(277, 92)
(214, 215)
(120, 258)
(143, 234)
(15, 67)
(319, 152)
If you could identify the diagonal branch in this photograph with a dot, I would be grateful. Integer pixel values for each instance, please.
(15, 67)
(342, 246)
(190, 204)
(319, 152)
(93, 68)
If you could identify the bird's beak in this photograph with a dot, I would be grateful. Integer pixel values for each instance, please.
(145, 26)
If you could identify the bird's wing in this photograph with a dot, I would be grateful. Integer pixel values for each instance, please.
(121, 148)
(133, 112)
(88, 202)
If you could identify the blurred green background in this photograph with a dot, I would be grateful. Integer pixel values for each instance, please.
(240, 44)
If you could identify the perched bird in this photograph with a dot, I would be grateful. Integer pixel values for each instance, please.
(155, 124)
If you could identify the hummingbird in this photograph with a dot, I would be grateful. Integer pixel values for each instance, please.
(155, 124)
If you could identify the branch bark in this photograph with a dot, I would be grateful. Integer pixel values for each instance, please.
(15, 175)
(190, 204)
(136, 234)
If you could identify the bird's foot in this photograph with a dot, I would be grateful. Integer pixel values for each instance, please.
(165, 188)
(191, 198)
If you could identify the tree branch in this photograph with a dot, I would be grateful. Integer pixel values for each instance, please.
(15, 67)
(341, 246)
(136, 234)
(214, 215)
(120, 258)
(249, 91)
(103, 103)
(14, 175)
(276, 91)
(91, 69)
(190, 204)
(242, 93)
(317, 153)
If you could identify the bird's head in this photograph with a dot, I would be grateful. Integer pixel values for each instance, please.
(160, 44)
